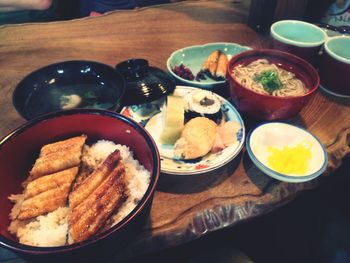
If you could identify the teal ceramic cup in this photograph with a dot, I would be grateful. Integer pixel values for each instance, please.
(335, 66)
(299, 38)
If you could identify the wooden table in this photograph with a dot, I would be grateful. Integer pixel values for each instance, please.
(182, 210)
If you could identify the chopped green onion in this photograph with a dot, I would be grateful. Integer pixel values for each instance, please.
(270, 81)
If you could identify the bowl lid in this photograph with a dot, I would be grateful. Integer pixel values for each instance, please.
(143, 82)
(286, 152)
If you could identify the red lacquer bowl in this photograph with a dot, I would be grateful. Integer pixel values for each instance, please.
(268, 107)
(20, 148)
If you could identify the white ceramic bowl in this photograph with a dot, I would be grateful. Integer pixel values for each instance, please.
(278, 135)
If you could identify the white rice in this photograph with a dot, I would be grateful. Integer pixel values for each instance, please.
(48, 230)
(51, 229)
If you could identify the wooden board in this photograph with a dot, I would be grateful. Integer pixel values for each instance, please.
(186, 209)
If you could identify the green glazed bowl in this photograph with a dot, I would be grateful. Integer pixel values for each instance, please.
(193, 58)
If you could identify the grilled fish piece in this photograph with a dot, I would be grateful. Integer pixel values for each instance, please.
(91, 215)
(82, 191)
(211, 64)
(50, 181)
(57, 157)
(44, 202)
(220, 73)
(76, 143)
(46, 194)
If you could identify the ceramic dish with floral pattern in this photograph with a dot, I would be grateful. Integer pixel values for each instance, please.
(169, 165)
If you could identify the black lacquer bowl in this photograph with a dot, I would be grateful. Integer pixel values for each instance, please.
(18, 150)
(144, 83)
(66, 85)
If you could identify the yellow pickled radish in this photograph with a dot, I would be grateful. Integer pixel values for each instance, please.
(173, 120)
(290, 160)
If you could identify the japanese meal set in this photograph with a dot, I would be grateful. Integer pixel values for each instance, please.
(79, 187)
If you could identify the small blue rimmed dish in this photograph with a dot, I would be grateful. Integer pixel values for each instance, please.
(193, 58)
(67, 85)
(286, 152)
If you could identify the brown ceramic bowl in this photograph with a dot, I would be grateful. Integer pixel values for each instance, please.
(19, 149)
(269, 107)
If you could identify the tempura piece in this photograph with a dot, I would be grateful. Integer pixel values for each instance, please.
(91, 215)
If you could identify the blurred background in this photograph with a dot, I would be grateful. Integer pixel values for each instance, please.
(260, 13)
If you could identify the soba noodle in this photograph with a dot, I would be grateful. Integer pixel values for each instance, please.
(247, 75)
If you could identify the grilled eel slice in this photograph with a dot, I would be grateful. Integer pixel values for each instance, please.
(97, 198)
(85, 188)
(58, 156)
(47, 193)
(50, 180)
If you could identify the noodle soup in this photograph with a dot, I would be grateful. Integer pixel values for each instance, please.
(267, 78)
(270, 84)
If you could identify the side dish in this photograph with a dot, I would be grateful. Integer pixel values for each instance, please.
(267, 78)
(183, 72)
(75, 191)
(194, 125)
(214, 67)
(290, 159)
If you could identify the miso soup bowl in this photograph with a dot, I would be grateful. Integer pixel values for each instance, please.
(49, 88)
(20, 148)
(268, 107)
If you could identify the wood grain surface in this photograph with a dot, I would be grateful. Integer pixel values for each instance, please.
(183, 208)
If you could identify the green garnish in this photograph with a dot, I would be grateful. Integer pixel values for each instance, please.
(269, 79)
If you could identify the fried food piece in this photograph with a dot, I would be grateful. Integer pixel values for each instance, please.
(196, 139)
(57, 157)
(81, 192)
(220, 73)
(91, 215)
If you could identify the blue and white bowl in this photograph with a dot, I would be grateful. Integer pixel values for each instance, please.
(193, 58)
(279, 135)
